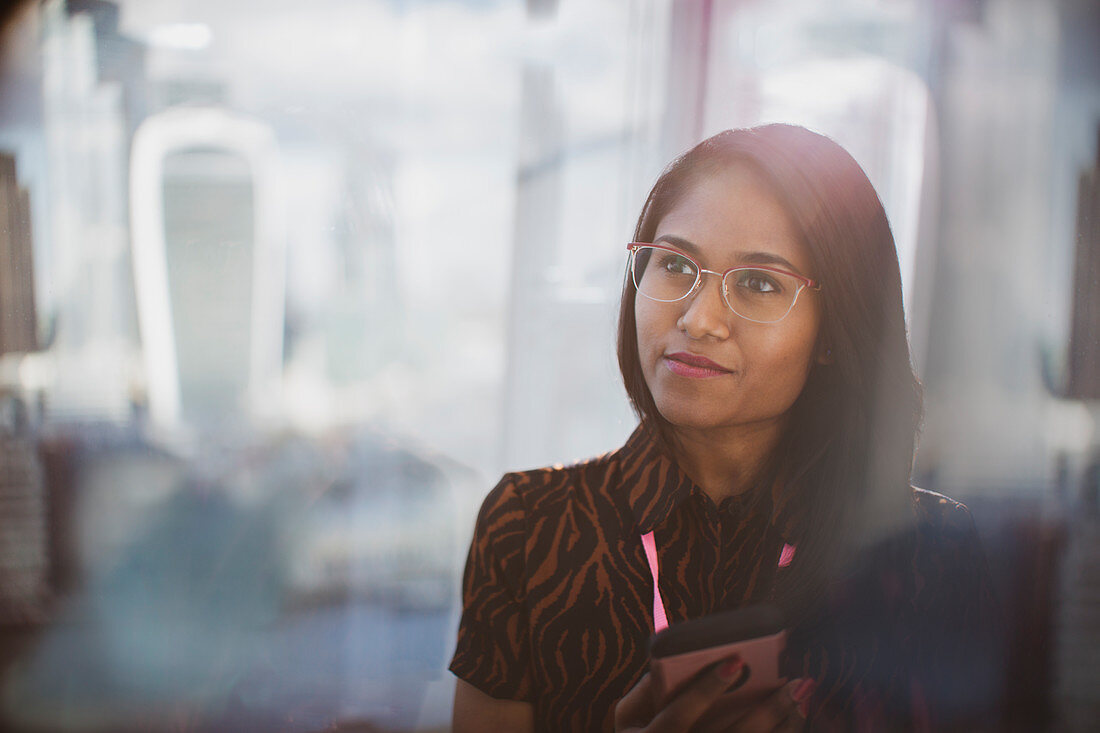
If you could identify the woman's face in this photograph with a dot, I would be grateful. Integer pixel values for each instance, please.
(727, 220)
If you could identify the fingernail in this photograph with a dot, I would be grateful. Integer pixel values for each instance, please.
(731, 670)
(802, 692)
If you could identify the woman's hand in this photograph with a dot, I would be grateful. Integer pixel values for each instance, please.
(637, 710)
(694, 708)
(783, 711)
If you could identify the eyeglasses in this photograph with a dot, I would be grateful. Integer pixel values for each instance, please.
(759, 294)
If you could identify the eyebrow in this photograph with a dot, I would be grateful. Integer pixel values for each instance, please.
(750, 258)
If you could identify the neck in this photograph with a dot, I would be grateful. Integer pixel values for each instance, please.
(725, 462)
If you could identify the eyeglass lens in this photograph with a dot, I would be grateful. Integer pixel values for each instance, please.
(757, 295)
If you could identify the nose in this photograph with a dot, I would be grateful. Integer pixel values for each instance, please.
(705, 311)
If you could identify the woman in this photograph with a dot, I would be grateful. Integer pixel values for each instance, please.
(762, 343)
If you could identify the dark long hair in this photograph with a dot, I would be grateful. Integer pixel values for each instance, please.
(847, 451)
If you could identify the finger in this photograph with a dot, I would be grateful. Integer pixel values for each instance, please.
(801, 694)
(720, 721)
(779, 710)
(635, 708)
(689, 705)
(795, 722)
(726, 715)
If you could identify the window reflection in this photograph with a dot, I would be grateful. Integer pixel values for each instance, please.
(307, 280)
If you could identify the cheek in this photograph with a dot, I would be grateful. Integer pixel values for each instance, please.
(796, 363)
(645, 325)
(784, 356)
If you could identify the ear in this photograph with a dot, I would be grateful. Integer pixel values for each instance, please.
(824, 355)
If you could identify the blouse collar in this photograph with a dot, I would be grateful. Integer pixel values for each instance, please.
(656, 485)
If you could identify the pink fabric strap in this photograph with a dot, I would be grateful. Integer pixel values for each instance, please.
(787, 555)
(660, 620)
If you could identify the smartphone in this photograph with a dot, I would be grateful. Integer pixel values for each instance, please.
(755, 633)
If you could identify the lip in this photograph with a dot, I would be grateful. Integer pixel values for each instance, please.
(691, 365)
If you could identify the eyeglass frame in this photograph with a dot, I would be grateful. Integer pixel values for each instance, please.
(807, 283)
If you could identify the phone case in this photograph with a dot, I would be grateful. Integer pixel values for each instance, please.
(760, 655)
(756, 634)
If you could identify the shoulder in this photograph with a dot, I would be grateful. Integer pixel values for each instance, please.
(553, 488)
(958, 626)
(948, 549)
(529, 513)
(938, 514)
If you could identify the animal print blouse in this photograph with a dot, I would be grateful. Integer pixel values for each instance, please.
(557, 597)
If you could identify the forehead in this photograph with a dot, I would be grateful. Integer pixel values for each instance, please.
(731, 214)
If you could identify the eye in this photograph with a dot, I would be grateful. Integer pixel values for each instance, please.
(675, 264)
(758, 281)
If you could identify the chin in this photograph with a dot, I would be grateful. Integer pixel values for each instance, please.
(685, 416)
(701, 415)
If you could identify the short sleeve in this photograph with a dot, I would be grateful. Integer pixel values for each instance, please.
(492, 651)
(960, 634)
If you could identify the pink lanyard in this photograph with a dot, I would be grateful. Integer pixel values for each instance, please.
(660, 619)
